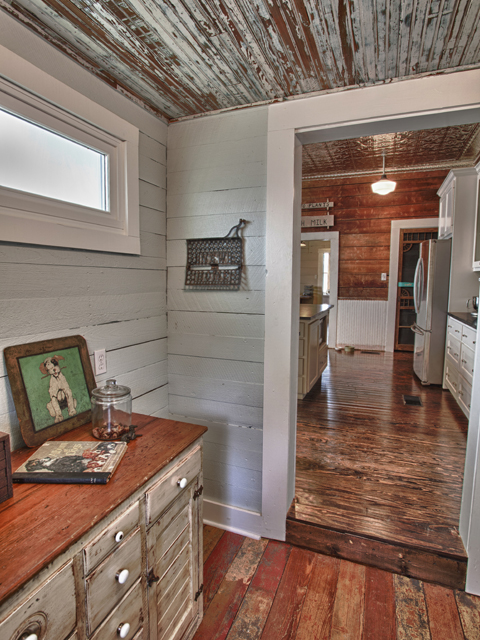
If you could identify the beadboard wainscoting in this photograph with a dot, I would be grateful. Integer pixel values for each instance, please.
(217, 175)
(116, 301)
(361, 323)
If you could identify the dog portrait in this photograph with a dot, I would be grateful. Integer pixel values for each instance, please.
(51, 385)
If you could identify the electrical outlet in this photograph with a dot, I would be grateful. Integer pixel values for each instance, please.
(384, 276)
(100, 358)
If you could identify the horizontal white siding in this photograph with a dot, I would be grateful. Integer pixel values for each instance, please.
(117, 302)
(361, 323)
(217, 175)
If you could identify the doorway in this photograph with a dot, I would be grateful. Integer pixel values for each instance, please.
(332, 237)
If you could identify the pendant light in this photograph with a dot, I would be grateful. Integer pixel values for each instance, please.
(383, 186)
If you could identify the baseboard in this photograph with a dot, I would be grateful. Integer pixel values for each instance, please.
(234, 519)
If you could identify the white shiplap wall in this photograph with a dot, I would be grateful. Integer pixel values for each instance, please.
(217, 175)
(116, 302)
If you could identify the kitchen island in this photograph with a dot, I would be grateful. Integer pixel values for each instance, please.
(460, 357)
(312, 347)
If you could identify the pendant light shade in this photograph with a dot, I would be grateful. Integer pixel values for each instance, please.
(383, 186)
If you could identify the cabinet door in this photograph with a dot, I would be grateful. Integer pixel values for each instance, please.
(174, 568)
(445, 223)
(313, 342)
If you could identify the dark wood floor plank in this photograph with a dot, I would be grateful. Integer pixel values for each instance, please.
(258, 600)
(223, 608)
(284, 616)
(469, 610)
(379, 619)
(317, 612)
(218, 563)
(411, 611)
(361, 453)
(348, 610)
(211, 535)
(443, 613)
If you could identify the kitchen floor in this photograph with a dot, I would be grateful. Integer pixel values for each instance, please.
(377, 480)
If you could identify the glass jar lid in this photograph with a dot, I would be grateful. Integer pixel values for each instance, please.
(111, 391)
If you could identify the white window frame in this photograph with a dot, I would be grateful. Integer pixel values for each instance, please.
(34, 219)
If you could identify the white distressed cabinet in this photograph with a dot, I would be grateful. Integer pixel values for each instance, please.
(312, 346)
(459, 362)
(137, 572)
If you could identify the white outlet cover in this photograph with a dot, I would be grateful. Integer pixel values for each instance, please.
(100, 358)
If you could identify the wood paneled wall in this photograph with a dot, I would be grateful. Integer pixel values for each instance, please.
(364, 221)
(217, 175)
(117, 302)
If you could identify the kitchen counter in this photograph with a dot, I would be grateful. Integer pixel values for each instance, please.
(465, 317)
(314, 311)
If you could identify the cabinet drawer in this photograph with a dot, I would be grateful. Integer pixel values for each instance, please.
(301, 348)
(129, 611)
(469, 337)
(464, 396)
(451, 377)
(168, 487)
(50, 611)
(111, 537)
(467, 358)
(301, 330)
(454, 328)
(104, 590)
(453, 349)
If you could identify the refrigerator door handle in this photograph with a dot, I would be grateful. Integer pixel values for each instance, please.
(418, 285)
(420, 330)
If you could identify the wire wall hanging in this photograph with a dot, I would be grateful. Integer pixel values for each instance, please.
(215, 263)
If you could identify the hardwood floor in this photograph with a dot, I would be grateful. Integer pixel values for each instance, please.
(270, 590)
(378, 481)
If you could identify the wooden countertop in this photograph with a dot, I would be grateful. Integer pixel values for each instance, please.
(314, 311)
(42, 520)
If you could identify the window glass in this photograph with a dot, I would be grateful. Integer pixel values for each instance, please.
(36, 160)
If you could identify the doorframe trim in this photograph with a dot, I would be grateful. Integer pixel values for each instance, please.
(397, 225)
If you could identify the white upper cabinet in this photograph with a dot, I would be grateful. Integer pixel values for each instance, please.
(447, 199)
(476, 246)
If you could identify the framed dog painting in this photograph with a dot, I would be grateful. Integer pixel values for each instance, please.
(51, 384)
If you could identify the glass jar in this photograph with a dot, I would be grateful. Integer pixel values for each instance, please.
(111, 411)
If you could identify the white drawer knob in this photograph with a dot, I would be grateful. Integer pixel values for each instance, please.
(122, 576)
(123, 630)
(31, 636)
(119, 536)
(182, 483)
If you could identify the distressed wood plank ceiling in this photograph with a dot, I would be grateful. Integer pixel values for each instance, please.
(184, 57)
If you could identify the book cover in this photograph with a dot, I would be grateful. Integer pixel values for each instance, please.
(72, 463)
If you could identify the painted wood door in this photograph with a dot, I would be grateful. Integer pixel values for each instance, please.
(174, 561)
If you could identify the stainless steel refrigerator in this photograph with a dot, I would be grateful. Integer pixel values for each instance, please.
(430, 295)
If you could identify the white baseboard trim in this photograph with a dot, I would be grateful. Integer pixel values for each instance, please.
(234, 519)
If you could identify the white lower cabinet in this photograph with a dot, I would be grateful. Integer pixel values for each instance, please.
(138, 578)
(459, 362)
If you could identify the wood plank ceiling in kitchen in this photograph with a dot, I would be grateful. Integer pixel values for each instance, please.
(185, 57)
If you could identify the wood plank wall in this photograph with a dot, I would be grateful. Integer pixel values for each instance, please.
(364, 221)
(216, 175)
(117, 302)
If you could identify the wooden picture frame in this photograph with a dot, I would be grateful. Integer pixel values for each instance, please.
(52, 382)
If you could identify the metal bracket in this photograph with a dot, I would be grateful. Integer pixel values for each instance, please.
(152, 578)
(198, 492)
(197, 595)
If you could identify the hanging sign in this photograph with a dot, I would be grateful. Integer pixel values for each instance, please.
(318, 205)
(317, 221)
